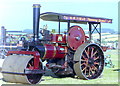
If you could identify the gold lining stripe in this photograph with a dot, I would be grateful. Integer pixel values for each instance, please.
(36, 6)
(45, 52)
(54, 52)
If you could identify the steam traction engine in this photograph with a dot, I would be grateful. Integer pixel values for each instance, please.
(66, 54)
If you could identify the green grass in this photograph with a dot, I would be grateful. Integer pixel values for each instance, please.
(108, 77)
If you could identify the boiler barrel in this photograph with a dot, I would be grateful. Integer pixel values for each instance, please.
(51, 51)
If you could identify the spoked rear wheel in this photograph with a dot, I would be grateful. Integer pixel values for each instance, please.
(90, 61)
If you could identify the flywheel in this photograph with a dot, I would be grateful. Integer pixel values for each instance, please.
(76, 37)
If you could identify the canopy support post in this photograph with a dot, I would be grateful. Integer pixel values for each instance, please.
(68, 25)
(90, 34)
(92, 28)
(59, 24)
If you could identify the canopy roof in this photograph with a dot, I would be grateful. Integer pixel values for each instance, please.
(51, 16)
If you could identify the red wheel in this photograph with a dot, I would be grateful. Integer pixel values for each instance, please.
(90, 61)
(76, 34)
(33, 78)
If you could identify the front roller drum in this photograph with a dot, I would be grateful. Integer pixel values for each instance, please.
(14, 66)
(89, 60)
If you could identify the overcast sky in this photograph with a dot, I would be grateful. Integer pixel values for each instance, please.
(18, 14)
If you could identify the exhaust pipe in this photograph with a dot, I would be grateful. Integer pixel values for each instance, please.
(36, 16)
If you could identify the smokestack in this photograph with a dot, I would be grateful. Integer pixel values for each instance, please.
(36, 16)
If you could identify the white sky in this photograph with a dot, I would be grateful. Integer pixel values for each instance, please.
(17, 14)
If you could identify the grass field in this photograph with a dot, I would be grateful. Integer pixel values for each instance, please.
(108, 77)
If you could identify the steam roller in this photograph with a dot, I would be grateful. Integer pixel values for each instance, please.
(66, 54)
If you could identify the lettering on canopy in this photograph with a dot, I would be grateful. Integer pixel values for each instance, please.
(87, 19)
